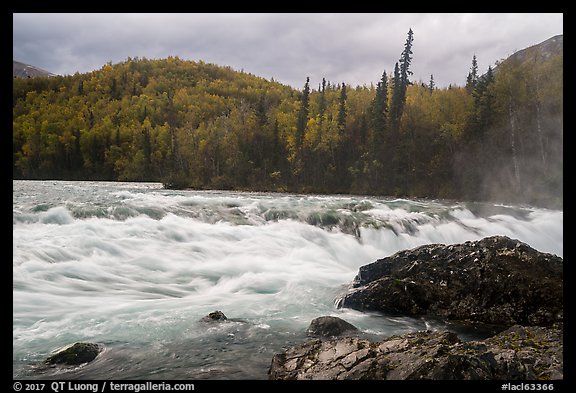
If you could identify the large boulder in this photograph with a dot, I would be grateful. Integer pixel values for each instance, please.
(496, 280)
(519, 353)
(76, 354)
(329, 326)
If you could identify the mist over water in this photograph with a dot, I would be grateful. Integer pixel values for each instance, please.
(135, 267)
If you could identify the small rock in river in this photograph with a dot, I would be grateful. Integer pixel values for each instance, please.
(329, 326)
(214, 316)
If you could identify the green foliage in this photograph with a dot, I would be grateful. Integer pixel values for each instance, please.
(193, 124)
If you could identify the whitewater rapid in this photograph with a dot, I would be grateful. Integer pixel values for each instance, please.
(134, 267)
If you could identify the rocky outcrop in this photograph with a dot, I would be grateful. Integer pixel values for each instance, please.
(519, 353)
(76, 354)
(496, 280)
(329, 326)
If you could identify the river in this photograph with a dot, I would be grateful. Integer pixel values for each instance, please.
(134, 267)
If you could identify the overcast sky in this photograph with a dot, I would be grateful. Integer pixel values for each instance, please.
(353, 48)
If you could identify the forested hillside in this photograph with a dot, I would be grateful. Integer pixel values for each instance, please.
(193, 124)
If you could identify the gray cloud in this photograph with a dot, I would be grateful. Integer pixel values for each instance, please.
(353, 48)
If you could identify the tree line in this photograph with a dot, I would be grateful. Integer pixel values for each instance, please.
(199, 125)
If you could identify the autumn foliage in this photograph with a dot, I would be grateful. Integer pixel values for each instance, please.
(199, 125)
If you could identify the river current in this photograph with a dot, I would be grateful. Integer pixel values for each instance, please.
(134, 267)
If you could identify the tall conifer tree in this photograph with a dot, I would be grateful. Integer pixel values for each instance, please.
(342, 109)
(401, 82)
(303, 114)
(472, 78)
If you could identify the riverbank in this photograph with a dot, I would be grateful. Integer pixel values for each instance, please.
(495, 280)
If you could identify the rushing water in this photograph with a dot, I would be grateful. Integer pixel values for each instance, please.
(135, 267)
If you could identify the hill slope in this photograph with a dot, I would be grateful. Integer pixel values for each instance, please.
(528, 97)
(540, 52)
(22, 70)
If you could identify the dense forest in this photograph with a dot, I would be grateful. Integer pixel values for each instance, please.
(199, 125)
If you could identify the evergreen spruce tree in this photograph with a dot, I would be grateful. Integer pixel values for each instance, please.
(401, 82)
(322, 105)
(322, 89)
(396, 104)
(380, 112)
(472, 78)
(303, 114)
(405, 60)
(342, 109)
(431, 85)
(398, 156)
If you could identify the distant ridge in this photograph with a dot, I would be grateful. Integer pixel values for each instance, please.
(539, 52)
(23, 70)
(544, 50)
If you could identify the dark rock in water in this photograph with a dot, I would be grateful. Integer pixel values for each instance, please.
(76, 354)
(329, 326)
(214, 316)
(218, 316)
(520, 353)
(496, 280)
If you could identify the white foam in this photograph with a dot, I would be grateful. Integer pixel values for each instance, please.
(148, 278)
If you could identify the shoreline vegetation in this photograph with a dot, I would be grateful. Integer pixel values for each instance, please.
(197, 125)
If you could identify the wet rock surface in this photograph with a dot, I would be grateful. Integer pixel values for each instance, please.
(496, 280)
(215, 316)
(76, 354)
(329, 326)
(519, 353)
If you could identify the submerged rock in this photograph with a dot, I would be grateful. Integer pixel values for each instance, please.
(76, 354)
(519, 353)
(496, 280)
(329, 326)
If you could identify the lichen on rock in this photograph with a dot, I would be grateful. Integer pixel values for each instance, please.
(519, 353)
(496, 280)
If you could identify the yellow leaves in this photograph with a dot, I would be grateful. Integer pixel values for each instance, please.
(107, 68)
(67, 139)
(444, 110)
(146, 125)
(313, 133)
(321, 134)
(452, 130)
(182, 99)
